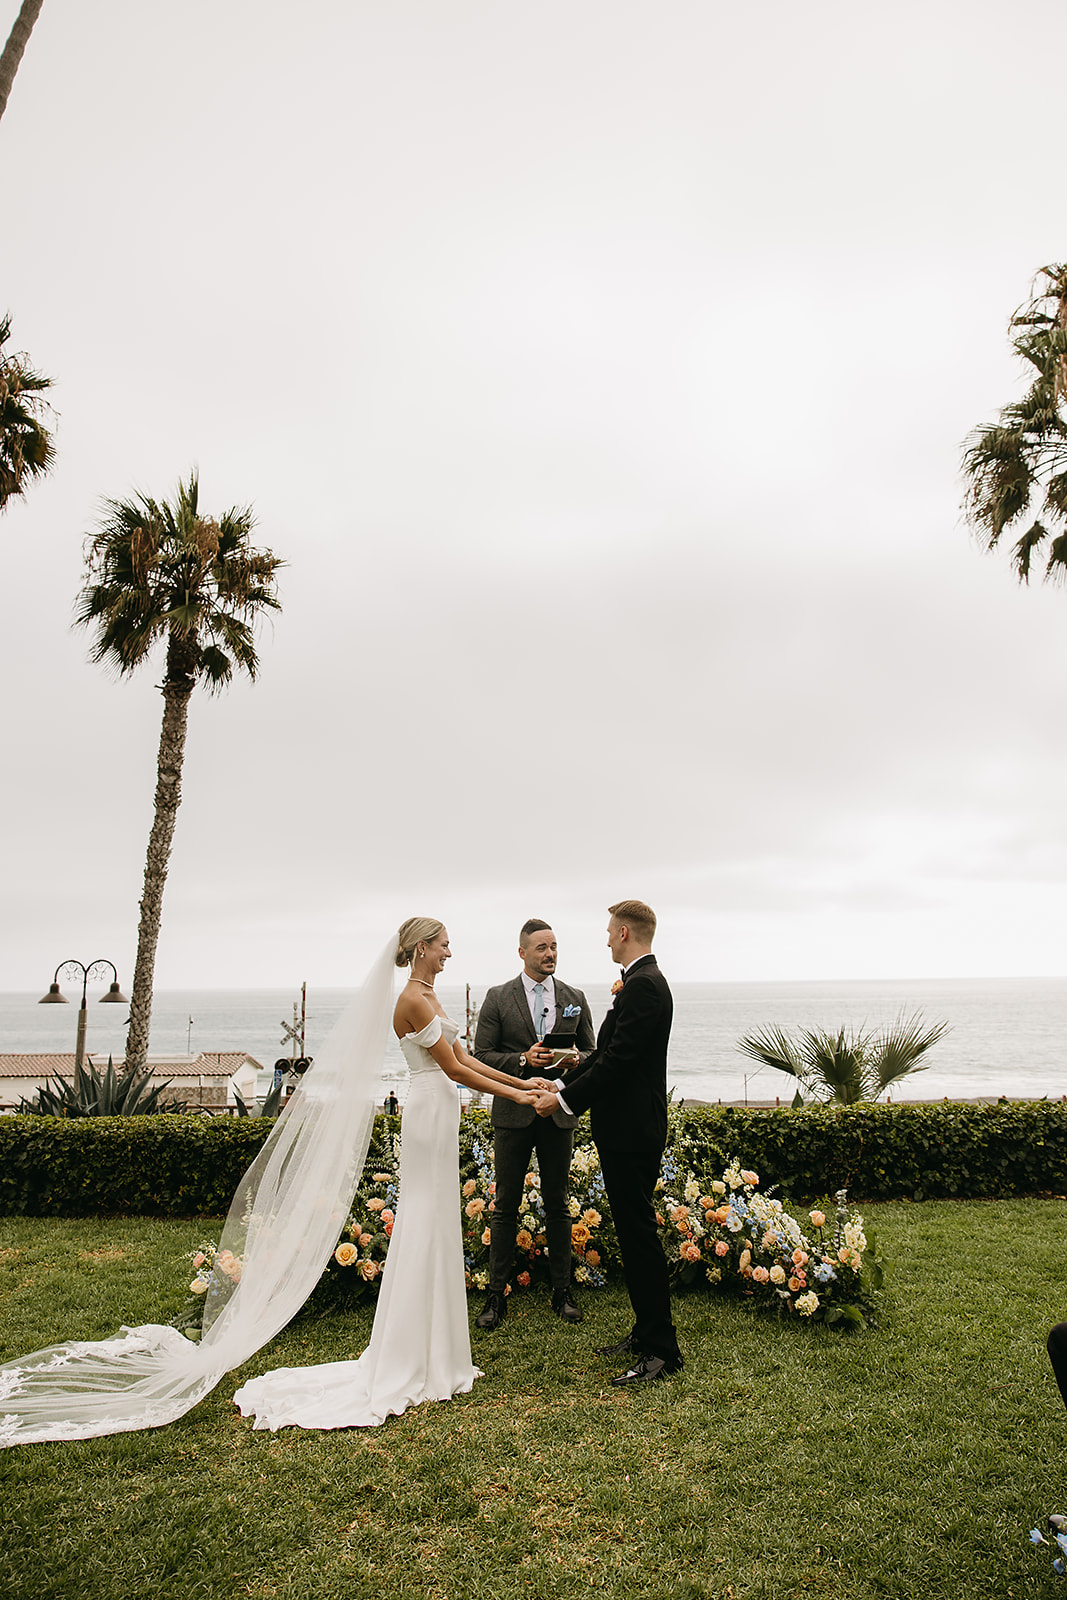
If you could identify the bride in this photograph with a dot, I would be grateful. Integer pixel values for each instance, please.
(420, 1343)
(283, 1223)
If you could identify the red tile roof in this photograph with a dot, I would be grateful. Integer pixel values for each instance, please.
(216, 1064)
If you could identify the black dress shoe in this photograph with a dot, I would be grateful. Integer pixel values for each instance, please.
(493, 1312)
(647, 1370)
(564, 1307)
(625, 1347)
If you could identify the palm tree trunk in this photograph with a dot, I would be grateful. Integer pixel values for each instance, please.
(168, 798)
(16, 44)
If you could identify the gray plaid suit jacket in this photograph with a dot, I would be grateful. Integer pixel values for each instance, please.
(506, 1031)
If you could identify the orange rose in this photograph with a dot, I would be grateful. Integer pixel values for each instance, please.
(486, 1236)
(524, 1240)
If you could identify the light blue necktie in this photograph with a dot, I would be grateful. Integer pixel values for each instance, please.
(540, 1010)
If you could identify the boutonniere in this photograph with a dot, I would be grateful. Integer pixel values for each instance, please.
(616, 987)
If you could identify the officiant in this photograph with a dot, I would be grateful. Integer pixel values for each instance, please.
(514, 1020)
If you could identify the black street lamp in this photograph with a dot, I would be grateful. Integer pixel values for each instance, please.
(94, 970)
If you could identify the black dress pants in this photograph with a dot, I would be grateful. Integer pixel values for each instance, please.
(1057, 1354)
(630, 1180)
(512, 1150)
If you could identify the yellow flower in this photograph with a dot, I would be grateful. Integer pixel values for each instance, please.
(579, 1235)
(345, 1254)
(199, 1286)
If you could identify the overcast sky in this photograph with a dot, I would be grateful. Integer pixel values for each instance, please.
(600, 370)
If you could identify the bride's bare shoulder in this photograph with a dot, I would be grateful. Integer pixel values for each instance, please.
(414, 1009)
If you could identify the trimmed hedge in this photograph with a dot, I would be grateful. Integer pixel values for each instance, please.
(185, 1166)
(947, 1151)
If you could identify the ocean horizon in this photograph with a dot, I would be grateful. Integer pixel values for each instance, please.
(1008, 1036)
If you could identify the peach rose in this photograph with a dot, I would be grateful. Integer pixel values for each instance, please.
(751, 1178)
(690, 1251)
(799, 1258)
(388, 1230)
(375, 1204)
(817, 1219)
(795, 1284)
(760, 1274)
(592, 1258)
(591, 1218)
(198, 1259)
(474, 1208)
(486, 1236)
(580, 1235)
(387, 1216)
(524, 1240)
(469, 1188)
(722, 1248)
(369, 1270)
(345, 1254)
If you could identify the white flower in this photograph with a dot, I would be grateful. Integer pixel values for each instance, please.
(199, 1286)
(807, 1303)
(581, 1274)
(573, 1207)
(855, 1237)
(692, 1190)
(715, 1274)
(718, 1187)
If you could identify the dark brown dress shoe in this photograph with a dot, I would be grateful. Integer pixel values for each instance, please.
(625, 1347)
(493, 1312)
(564, 1307)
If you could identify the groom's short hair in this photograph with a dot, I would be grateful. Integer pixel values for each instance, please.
(639, 918)
(528, 929)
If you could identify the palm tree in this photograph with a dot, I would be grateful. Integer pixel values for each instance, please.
(1022, 458)
(26, 447)
(845, 1066)
(17, 39)
(153, 572)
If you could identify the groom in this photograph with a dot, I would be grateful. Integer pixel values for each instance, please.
(624, 1082)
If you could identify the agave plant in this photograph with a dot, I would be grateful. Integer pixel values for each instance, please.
(95, 1094)
(846, 1066)
(270, 1107)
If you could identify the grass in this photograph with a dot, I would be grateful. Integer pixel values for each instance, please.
(786, 1461)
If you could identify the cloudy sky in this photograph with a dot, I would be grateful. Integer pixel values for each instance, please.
(600, 370)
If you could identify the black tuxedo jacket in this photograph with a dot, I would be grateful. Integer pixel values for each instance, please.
(623, 1084)
(505, 1031)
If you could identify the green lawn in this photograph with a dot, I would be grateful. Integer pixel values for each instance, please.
(786, 1461)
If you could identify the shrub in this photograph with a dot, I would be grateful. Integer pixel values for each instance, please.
(182, 1166)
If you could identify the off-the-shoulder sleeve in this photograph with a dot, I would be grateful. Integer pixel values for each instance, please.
(429, 1035)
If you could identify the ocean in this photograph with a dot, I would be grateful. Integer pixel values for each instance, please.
(1008, 1035)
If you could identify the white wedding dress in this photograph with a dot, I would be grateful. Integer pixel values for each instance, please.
(420, 1344)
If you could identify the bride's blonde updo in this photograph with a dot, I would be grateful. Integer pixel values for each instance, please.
(413, 932)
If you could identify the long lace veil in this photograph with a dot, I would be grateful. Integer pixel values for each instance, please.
(285, 1219)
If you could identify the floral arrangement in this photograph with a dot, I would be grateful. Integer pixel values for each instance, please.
(215, 1270)
(722, 1232)
(1057, 1526)
(730, 1234)
(593, 1243)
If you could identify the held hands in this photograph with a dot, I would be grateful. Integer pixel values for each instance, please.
(541, 1083)
(545, 1102)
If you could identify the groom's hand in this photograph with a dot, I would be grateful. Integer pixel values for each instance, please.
(545, 1103)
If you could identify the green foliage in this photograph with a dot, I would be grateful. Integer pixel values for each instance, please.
(26, 447)
(271, 1106)
(1022, 458)
(158, 571)
(185, 1166)
(883, 1152)
(165, 1166)
(848, 1066)
(96, 1094)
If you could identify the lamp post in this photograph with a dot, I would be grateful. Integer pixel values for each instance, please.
(96, 971)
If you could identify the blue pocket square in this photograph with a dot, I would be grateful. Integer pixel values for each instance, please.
(572, 1011)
